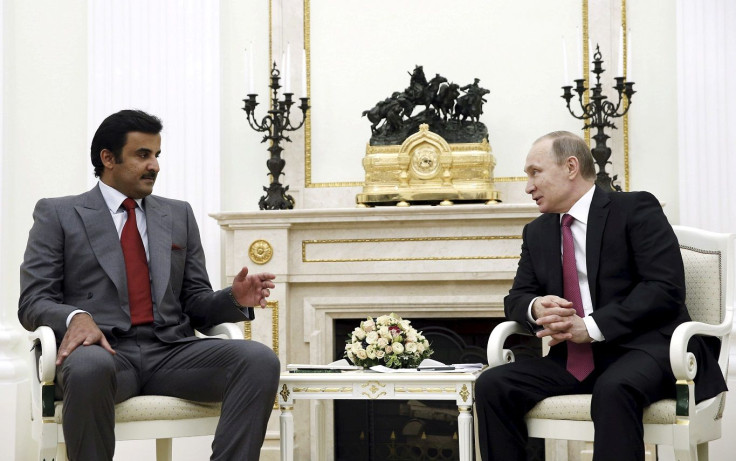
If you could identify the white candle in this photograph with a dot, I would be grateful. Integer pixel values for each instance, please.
(304, 73)
(251, 87)
(288, 68)
(621, 53)
(247, 71)
(564, 62)
(580, 53)
(283, 69)
(629, 74)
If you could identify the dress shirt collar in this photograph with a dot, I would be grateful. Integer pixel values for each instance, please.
(114, 198)
(581, 208)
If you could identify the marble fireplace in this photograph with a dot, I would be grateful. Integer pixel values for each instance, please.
(427, 262)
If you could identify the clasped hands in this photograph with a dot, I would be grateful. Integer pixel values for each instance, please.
(559, 320)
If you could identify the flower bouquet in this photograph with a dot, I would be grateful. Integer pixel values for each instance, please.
(388, 341)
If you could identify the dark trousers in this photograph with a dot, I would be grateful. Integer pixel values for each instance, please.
(243, 375)
(620, 389)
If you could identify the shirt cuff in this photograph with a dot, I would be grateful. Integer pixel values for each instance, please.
(75, 312)
(593, 331)
(529, 315)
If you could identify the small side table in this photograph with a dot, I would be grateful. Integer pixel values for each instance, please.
(365, 385)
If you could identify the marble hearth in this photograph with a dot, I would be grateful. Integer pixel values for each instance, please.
(420, 262)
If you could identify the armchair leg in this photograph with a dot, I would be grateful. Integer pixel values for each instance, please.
(163, 449)
(703, 451)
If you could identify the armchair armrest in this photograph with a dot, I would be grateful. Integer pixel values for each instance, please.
(45, 338)
(683, 363)
(223, 330)
(497, 355)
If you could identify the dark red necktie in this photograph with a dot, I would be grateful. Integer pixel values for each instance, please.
(136, 269)
(579, 356)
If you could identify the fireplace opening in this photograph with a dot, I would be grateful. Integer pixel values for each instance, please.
(417, 430)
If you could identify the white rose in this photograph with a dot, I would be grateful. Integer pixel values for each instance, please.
(420, 348)
(357, 347)
(371, 351)
(382, 342)
(362, 355)
(380, 354)
(359, 334)
(398, 348)
(405, 324)
(348, 347)
(426, 344)
(351, 356)
(411, 347)
(383, 331)
(371, 337)
(369, 325)
(411, 336)
(388, 349)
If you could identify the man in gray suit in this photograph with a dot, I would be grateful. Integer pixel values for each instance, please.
(126, 325)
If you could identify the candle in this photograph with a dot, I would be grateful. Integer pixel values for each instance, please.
(621, 53)
(629, 74)
(287, 85)
(283, 68)
(580, 52)
(564, 62)
(247, 71)
(304, 72)
(250, 70)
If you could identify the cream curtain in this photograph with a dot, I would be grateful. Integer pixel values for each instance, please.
(707, 113)
(163, 57)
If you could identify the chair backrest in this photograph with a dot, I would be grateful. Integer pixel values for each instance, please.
(709, 277)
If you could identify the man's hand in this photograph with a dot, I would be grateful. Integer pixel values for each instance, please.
(82, 331)
(252, 290)
(559, 320)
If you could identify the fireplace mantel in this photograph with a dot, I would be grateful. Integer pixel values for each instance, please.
(419, 261)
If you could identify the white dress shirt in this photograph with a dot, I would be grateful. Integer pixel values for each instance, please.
(579, 228)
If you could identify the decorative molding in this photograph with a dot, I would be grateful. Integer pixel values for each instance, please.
(306, 243)
(260, 251)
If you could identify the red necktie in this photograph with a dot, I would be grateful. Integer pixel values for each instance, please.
(136, 269)
(579, 356)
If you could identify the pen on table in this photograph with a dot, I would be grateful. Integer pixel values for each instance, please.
(438, 368)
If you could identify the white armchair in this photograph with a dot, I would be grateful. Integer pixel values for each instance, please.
(709, 277)
(144, 417)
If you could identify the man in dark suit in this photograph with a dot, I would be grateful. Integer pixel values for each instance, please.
(127, 330)
(608, 288)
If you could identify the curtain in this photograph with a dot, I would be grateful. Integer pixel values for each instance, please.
(163, 57)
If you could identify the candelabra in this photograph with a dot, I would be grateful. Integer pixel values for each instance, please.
(275, 124)
(598, 114)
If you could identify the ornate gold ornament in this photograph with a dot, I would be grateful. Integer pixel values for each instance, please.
(284, 393)
(425, 168)
(464, 393)
(260, 252)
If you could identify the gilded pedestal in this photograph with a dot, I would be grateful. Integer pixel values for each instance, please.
(427, 169)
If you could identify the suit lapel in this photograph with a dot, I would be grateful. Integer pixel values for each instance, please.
(594, 237)
(552, 252)
(103, 238)
(158, 221)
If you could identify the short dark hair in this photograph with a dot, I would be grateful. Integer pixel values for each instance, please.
(566, 144)
(112, 134)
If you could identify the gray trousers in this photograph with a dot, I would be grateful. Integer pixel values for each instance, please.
(243, 375)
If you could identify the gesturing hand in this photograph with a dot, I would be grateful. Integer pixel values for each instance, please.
(82, 331)
(252, 290)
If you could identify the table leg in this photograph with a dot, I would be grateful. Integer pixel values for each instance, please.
(286, 421)
(465, 433)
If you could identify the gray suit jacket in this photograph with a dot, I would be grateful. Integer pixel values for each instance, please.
(74, 261)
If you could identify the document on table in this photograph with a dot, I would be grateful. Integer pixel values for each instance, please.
(435, 367)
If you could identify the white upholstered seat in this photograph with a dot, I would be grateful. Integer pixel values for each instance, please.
(709, 276)
(139, 418)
